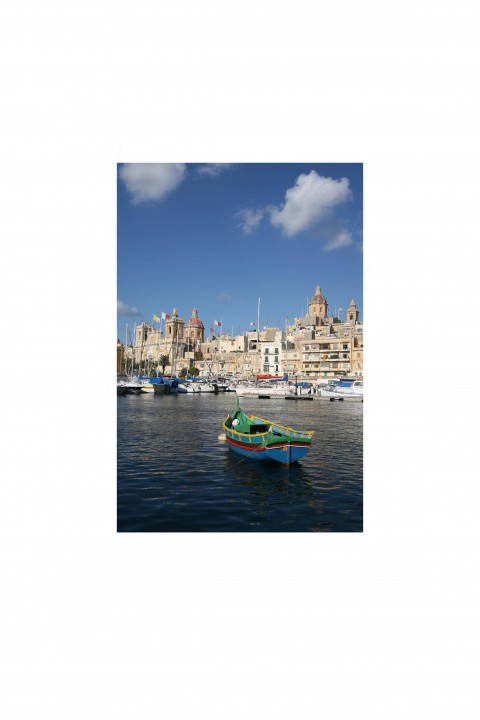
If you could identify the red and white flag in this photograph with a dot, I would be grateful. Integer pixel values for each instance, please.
(211, 329)
(217, 323)
(165, 316)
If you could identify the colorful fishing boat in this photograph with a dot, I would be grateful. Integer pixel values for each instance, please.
(262, 439)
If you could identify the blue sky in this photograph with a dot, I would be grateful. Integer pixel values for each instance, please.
(219, 236)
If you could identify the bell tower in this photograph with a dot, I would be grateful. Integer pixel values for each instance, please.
(174, 328)
(352, 313)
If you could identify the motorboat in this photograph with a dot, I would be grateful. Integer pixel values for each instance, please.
(207, 387)
(187, 387)
(343, 392)
(265, 389)
(132, 386)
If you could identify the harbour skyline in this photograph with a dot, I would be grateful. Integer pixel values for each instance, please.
(220, 236)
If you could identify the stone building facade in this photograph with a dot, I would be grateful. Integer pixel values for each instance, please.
(316, 345)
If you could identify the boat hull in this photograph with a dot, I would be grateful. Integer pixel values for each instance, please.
(284, 453)
(263, 391)
(340, 395)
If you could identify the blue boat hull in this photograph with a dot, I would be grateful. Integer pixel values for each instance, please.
(284, 453)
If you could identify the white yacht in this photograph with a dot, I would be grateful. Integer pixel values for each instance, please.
(265, 390)
(351, 392)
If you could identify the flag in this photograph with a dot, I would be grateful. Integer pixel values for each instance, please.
(211, 329)
(217, 323)
(165, 316)
(155, 318)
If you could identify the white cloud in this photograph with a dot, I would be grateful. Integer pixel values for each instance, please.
(224, 297)
(250, 219)
(341, 239)
(309, 203)
(123, 309)
(151, 182)
(213, 168)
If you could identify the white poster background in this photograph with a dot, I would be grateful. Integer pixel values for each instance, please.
(377, 625)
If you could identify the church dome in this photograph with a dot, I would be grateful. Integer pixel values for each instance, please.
(194, 321)
(318, 297)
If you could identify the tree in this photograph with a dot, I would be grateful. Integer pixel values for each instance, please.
(183, 372)
(163, 360)
(193, 371)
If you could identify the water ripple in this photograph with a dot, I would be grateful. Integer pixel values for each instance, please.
(175, 476)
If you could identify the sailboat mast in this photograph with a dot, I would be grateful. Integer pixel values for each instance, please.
(147, 355)
(126, 346)
(134, 346)
(258, 338)
(219, 344)
(176, 351)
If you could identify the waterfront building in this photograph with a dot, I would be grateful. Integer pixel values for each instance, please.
(272, 352)
(271, 358)
(224, 355)
(314, 346)
(120, 357)
(154, 344)
(335, 349)
(141, 343)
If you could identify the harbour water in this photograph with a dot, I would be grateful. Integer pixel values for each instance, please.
(175, 475)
